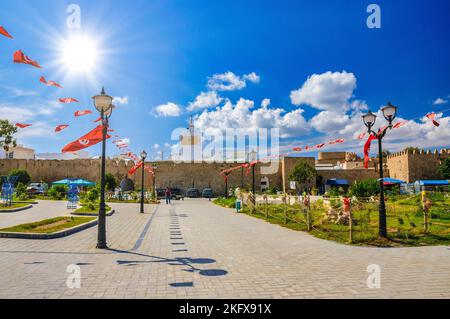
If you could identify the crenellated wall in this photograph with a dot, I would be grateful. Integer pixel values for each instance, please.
(412, 165)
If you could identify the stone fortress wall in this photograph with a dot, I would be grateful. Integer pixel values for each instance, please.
(413, 165)
(407, 166)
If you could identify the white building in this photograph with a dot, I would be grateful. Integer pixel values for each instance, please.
(18, 152)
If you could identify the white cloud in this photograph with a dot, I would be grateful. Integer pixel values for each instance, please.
(327, 91)
(156, 146)
(120, 100)
(252, 77)
(265, 103)
(169, 109)
(329, 121)
(229, 81)
(243, 116)
(440, 101)
(205, 100)
(168, 145)
(18, 92)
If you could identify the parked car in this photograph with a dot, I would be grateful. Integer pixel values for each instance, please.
(192, 192)
(160, 193)
(37, 188)
(208, 193)
(176, 193)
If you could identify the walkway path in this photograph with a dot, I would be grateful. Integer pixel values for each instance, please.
(195, 249)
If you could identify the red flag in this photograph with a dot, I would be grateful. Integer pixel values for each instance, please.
(4, 32)
(399, 124)
(432, 117)
(341, 140)
(320, 145)
(87, 140)
(367, 149)
(67, 100)
(50, 83)
(297, 149)
(81, 113)
(59, 128)
(98, 120)
(22, 125)
(134, 168)
(361, 136)
(19, 57)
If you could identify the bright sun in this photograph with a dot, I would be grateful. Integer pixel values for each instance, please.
(79, 54)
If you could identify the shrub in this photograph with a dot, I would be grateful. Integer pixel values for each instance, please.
(57, 192)
(365, 188)
(23, 176)
(21, 192)
(93, 194)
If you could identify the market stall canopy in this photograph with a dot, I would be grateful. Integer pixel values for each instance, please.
(338, 182)
(74, 181)
(392, 181)
(433, 182)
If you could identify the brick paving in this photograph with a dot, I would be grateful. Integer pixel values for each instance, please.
(194, 249)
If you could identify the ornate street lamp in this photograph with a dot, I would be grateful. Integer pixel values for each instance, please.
(389, 113)
(143, 157)
(103, 104)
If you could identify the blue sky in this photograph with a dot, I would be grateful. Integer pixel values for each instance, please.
(159, 52)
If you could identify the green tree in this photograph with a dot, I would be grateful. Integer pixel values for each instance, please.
(303, 173)
(23, 176)
(110, 182)
(444, 168)
(7, 131)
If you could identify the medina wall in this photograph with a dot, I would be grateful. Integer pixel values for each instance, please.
(411, 166)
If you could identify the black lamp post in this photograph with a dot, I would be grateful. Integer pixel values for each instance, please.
(389, 113)
(103, 104)
(143, 157)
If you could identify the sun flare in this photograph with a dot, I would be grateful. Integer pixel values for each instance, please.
(79, 54)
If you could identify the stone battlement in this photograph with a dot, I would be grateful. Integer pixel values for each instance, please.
(435, 152)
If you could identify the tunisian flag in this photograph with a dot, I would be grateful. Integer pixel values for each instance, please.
(87, 140)
(49, 83)
(19, 57)
(367, 150)
(59, 128)
(22, 125)
(67, 100)
(4, 32)
(432, 117)
(81, 113)
(135, 168)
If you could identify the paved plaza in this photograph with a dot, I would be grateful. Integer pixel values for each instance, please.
(195, 249)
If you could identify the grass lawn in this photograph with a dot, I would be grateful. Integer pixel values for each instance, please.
(13, 206)
(229, 202)
(404, 221)
(90, 209)
(51, 225)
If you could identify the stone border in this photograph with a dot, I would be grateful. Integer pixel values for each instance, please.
(111, 212)
(62, 233)
(15, 209)
(26, 202)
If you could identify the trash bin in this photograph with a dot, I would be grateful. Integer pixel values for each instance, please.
(238, 205)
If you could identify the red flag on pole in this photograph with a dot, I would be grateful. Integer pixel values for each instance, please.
(367, 149)
(81, 113)
(67, 100)
(399, 124)
(361, 136)
(59, 128)
(4, 32)
(98, 120)
(22, 125)
(19, 57)
(87, 140)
